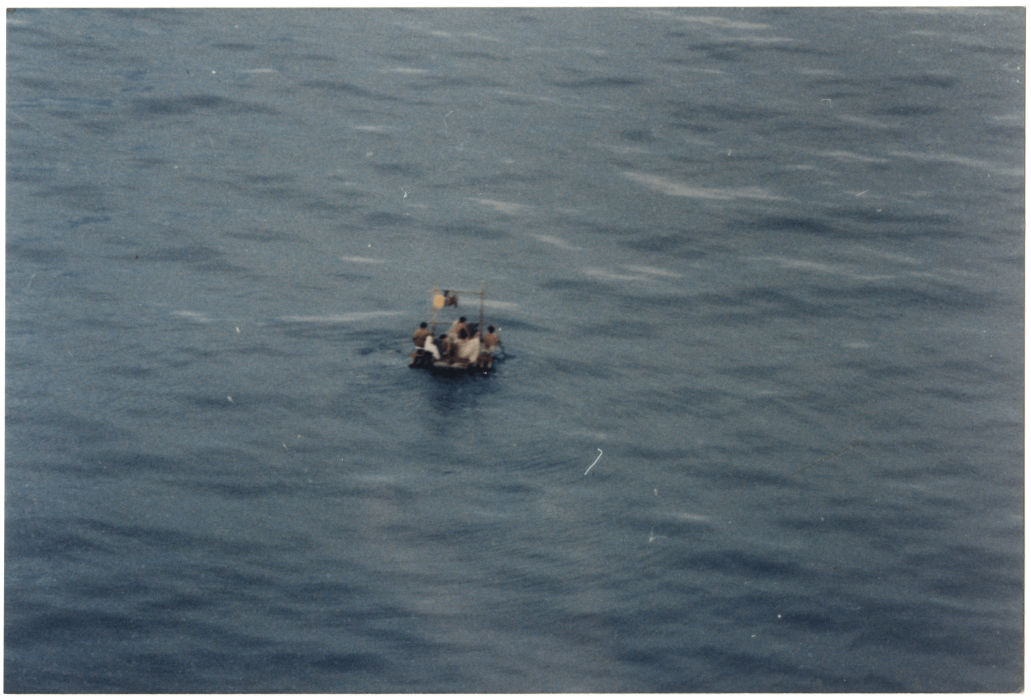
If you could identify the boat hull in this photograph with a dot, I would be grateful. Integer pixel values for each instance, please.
(426, 362)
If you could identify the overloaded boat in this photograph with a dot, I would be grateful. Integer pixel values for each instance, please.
(464, 349)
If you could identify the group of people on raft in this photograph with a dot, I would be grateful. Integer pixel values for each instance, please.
(462, 346)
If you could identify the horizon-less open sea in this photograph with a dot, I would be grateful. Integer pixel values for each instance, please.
(760, 278)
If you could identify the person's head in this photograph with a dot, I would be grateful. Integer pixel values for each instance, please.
(490, 329)
(461, 319)
(443, 336)
(422, 325)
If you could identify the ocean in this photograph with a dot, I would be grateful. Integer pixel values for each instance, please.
(758, 274)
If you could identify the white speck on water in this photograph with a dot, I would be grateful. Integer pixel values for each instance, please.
(594, 462)
(652, 536)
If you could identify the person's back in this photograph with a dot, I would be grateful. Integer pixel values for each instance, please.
(491, 340)
(469, 349)
(420, 335)
(430, 347)
(456, 328)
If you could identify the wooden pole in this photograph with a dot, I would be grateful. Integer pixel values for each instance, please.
(433, 323)
(483, 288)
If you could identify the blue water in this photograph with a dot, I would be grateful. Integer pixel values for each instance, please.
(758, 273)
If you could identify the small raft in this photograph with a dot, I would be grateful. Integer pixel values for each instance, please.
(464, 349)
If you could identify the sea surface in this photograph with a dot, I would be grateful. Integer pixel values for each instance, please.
(759, 276)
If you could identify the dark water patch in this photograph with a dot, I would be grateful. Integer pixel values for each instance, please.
(87, 221)
(891, 530)
(18, 30)
(315, 593)
(908, 110)
(71, 626)
(236, 490)
(925, 80)
(759, 303)
(302, 330)
(621, 329)
(262, 350)
(437, 82)
(168, 17)
(893, 83)
(263, 235)
(403, 57)
(84, 196)
(196, 104)
(787, 223)
(796, 50)
(1000, 51)
(736, 670)
(754, 371)
(479, 55)
(956, 395)
(516, 489)
(172, 541)
(385, 491)
(500, 179)
(40, 255)
(914, 628)
(177, 602)
(901, 217)
(676, 245)
(343, 89)
(310, 57)
(77, 429)
(896, 294)
(579, 369)
(132, 372)
(33, 174)
(761, 443)
(400, 169)
(36, 538)
(349, 663)
(731, 476)
(124, 464)
(146, 163)
(529, 581)
(972, 573)
(387, 219)
(639, 135)
(230, 46)
(198, 255)
(602, 82)
(722, 113)
(64, 114)
(729, 52)
(880, 370)
(98, 128)
(268, 179)
(471, 230)
(372, 345)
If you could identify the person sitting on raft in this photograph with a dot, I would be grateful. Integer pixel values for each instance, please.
(468, 348)
(457, 327)
(420, 335)
(491, 340)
